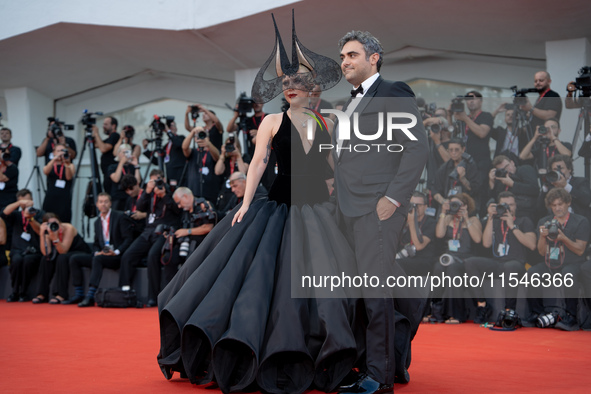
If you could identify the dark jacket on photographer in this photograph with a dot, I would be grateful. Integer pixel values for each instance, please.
(577, 227)
(14, 152)
(17, 225)
(173, 158)
(525, 188)
(137, 226)
(120, 233)
(9, 187)
(160, 211)
(448, 180)
(202, 179)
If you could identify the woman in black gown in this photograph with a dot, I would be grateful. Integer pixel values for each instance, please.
(229, 313)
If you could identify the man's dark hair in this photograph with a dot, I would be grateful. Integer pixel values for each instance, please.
(421, 195)
(114, 121)
(104, 194)
(157, 171)
(370, 44)
(23, 192)
(50, 215)
(499, 159)
(458, 141)
(505, 195)
(7, 129)
(127, 182)
(568, 161)
(475, 93)
(553, 120)
(555, 194)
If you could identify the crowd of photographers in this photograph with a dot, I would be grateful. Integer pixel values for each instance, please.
(517, 210)
(191, 182)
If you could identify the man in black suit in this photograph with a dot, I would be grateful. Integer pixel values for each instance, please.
(373, 191)
(112, 237)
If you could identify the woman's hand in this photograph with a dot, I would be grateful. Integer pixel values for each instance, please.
(240, 214)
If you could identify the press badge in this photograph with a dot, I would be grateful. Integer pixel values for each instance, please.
(26, 236)
(2, 185)
(503, 250)
(228, 184)
(205, 171)
(166, 158)
(430, 211)
(453, 245)
(60, 183)
(151, 218)
(554, 253)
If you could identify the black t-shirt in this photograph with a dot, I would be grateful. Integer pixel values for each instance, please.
(51, 145)
(476, 146)
(108, 158)
(504, 236)
(215, 137)
(577, 228)
(201, 177)
(552, 101)
(17, 225)
(9, 188)
(15, 153)
(427, 227)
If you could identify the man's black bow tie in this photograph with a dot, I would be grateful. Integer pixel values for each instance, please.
(358, 90)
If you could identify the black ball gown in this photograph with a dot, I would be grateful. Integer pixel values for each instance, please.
(229, 315)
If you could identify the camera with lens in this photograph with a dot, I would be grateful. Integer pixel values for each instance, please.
(448, 259)
(435, 128)
(408, 251)
(508, 319)
(108, 248)
(128, 154)
(520, 95)
(54, 226)
(30, 250)
(547, 320)
(553, 176)
(129, 132)
(159, 183)
(542, 130)
(553, 226)
(164, 229)
(65, 154)
(230, 145)
(501, 210)
(6, 155)
(32, 211)
(57, 127)
(583, 81)
(194, 112)
(454, 208)
(201, 135)
(245, 104)
(500, 173)
(457, 104)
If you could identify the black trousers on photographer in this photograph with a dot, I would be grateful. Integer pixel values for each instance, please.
(96, 264)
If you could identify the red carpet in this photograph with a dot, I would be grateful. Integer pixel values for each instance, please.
(66, 349)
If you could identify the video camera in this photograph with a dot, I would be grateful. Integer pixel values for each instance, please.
(457, 104)
(583, 81)
(57, 127)
(520, 95)
(245, 104)
(159, 124)
(89, 120)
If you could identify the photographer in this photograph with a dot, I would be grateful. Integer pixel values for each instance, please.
(560, 175)
(24, 249)
(230, 161)
(174, 160)
(457, 175)
(545, 144)
(478, 126)
(112, 237)
(563, 238)
(59, 171)
(509, 237)
(583, 84)
(522, 181)
(137, 218)
(460, 232)
(127, 134)
(58, 243)
(547, 106)
(156, 200)
(416, 249)
(201, 176)
(252, 124)
(55, 135)
(197, 220)
(238, 186)
(8, 180)
(439, 133)
(106, 147)
(127, 164)
(14, 152)
(507, 139)
(213, 126)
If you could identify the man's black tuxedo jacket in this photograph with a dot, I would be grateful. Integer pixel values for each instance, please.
(120, 232)
(361, 179)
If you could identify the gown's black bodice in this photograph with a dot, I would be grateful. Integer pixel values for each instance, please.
(300, 176)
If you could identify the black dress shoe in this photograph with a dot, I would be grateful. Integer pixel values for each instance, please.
(87, 301)
(73, 300)
(24, 299)
(367, 385)
(351, 379)
(12, 298)
(151, 303)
